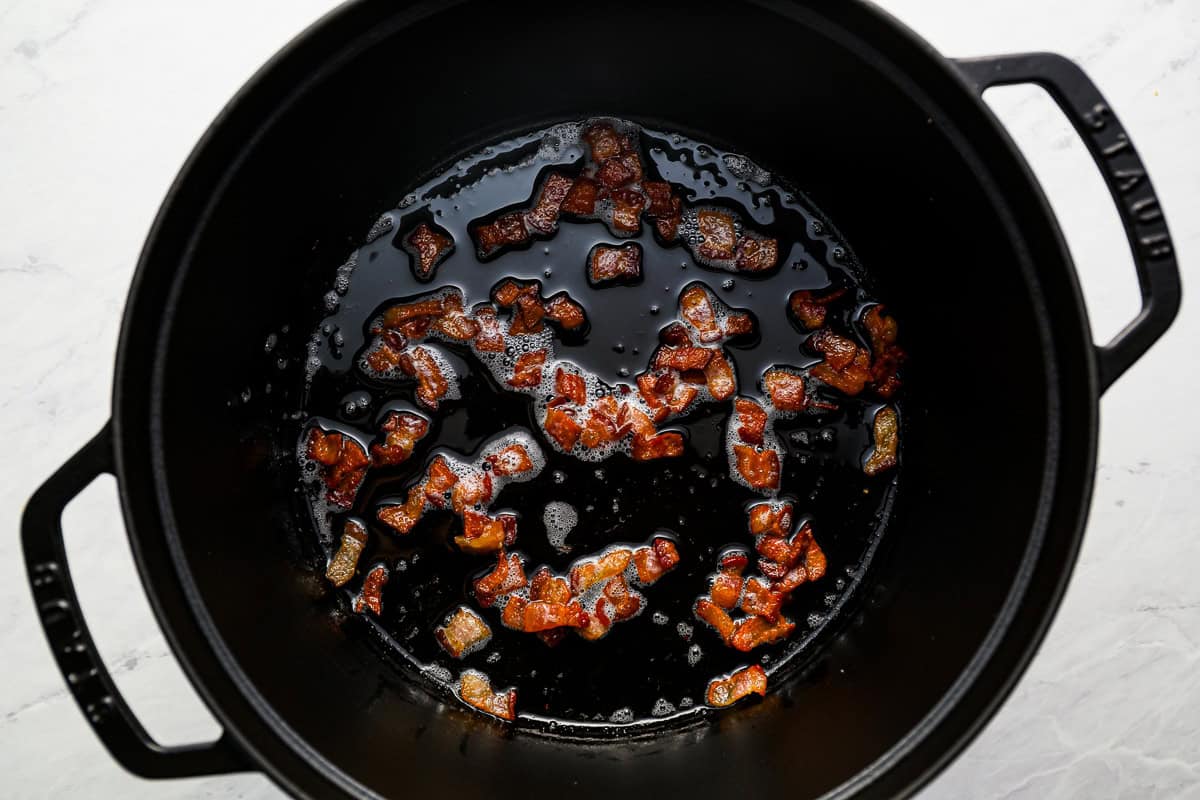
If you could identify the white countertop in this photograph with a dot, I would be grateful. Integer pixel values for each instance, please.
(101, 101)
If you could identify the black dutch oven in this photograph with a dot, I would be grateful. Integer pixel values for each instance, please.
(889, 138)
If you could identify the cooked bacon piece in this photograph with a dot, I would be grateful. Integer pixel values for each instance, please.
(565, 311)
(675, 335)
(779, 549)
(345, 561)
(343, 464)
(785, 388)
(439, 480)
(600, 620)
(719, 234)
(649, 388)
(454, 322)
(462, 632)
(682, 358)
(384, 355)
(485, 534)
(506, 292)
(601, 426)
(626, 603)
(886, 356)
(814, 560)
(403, 518)
(751, 420)
(614, 173)
(505, 231)
(543, 217)
(545, 585)
(476, 690)
(757, 255)
(696, 307)
(581, 199)
(631, 161)
(846, 366)
(727, 584)
(473, 489)
(791, 579)
(716, 617)
(719, 377)
(432, 383)
(761, 599)
(400, 313)
(603, 141)
(809, 309)
(886, 432)
(773, 519)
(512, 460)
(429, 247)
(561, 426)
(528, 313)
(668, 444)
(659, 193)
(586, 574)
(668, 224)
(532, 616)
(726, 691)
(571, 386)
(609, 263)
(627, 210)
(527, 372)
(737, 324)
(656, 560)
(759, 468)
(750, 632)
(401, 432)
(490, 338)
(371, 596)
(507, 576)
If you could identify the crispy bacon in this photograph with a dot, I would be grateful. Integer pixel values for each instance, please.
(371, 596)
(439, 480)
(404, 517)
(486, 534)
(809, 309)
(728, 690)
(719, 377)
(511, 460)
(716, 617)
(490, 338)
(561, 426)
(527, 315)
(626, 603)
(757, 255)
(531, 616)
(659, 194)
(454, 322)
(751, 420)
(507, 576)
(774, 519)
(759, 468)
(345, 561)
(601, 426)
(603, 141)
(571, 386)
(476, 690)
(565, 311)
(397, 315)
(432, 383)
(667, 225)
(608, 263)
(886, 433)
(719, 234)
(527, 371)
(696, 308)
(668, 444)
(600, 621)
(587, 573)
(343, 464)
(401, 432)
(506, 231)
(384, 355)
(727, 584)
(886, 355)
(761, 599)
(675, 335)
(751, 632)
(656, 560)
(462, 632)
(846, 366)
(627, 210)
(785, 388)
(543, 217)
(472, 489)
(581, 199)
(682, 358)
(545, 585)
(429, 247)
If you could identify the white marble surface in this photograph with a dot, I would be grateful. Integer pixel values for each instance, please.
(101, 100)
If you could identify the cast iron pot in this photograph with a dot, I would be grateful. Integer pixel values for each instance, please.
(889, 138)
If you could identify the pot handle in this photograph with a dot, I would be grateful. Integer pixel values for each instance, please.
(1123, 171)
(67, 632)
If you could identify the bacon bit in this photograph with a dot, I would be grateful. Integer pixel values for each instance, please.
(512, 460)
(543, 217)
(846, 366)
(505, 231)
(608, 263)
(886, 355)
(588, 573)
(343, 461)
(439, 480)
(625, 602)
(761, 600)
(668, 224)
(751, 420)
(384, 356)
(647, 384)
(581, 199)
(759, 468)
(675, 335)
(662, 445)
(627, 210)
(719, 234)
(398, 314)
(886, 433)
(773, 519)
(655, 561)
(682, 358)
(750, 632)
(757, 255)
(790, 580)
(484, 534)
(507, 576)
(527, 372)
(659, 193)
(814, 561)
(719, 377)
(561, 426)
(476, 690)
(723, 692)
(565, 311)
(631, 161)
(371, 596)
(601, 426)
(571, 386)
(545, 585)
(429, 248)
(432, 384)
(785, 388)
(345, 561)
(603, 141)
(809, 309)
(696, 307)
(403, 518)
(507, 292)
(715, 617)
(473, 489)
(614, 173)
(727, 583)
(401, 432)
(490, 338)
(454, 323)
(738, 324)
(600, 621)
(531, 616)
(462, 632)
(528, 313)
